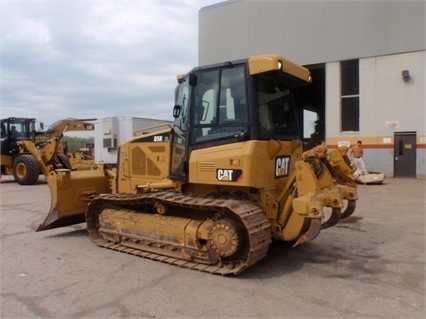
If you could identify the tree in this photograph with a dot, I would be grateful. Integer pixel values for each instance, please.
(74, 144)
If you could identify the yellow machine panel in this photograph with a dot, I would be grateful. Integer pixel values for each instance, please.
(247, 164)
(143, 160)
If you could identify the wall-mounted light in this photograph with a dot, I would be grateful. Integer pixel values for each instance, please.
(406, 75)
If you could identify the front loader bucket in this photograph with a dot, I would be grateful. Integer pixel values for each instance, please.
(71, 192)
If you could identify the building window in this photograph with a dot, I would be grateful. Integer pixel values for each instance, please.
(350, 95)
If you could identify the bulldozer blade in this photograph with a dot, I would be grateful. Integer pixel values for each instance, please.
(312, 232)
(333, 219)
(71, 192)
(349, 209)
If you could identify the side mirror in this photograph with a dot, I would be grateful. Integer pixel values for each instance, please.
(176, 111)
(42, 126)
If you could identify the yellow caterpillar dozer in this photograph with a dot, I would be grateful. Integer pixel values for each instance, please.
(211, 191)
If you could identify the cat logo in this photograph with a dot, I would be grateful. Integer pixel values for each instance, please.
(281, 166)
(229, 175)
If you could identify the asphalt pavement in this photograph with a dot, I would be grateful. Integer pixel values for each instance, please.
(371, 265)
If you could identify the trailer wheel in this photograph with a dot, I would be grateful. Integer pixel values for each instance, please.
(26, 169)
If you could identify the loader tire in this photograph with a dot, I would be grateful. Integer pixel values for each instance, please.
(26, 169)
(64, 160)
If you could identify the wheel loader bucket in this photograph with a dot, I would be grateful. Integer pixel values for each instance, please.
(71, 192)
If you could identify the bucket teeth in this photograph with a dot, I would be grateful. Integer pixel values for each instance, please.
(336, 215)
(312, 232)
(333, 220)
(349, 209)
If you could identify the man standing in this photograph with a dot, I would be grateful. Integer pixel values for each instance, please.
(356, 153)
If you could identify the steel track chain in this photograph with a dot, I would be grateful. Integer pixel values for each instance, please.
(252, 217)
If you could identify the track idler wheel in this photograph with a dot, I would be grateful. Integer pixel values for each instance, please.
(161, 207)
(225, 238)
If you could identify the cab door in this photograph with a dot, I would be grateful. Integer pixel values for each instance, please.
(179, 158)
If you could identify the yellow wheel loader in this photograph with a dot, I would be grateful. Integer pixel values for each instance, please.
(213, 190)
(26, 153)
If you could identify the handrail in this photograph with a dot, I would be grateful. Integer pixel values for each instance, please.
(141, 130)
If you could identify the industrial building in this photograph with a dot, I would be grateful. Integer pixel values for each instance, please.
(367, 59)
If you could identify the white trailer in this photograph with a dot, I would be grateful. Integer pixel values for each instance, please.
(111, 132)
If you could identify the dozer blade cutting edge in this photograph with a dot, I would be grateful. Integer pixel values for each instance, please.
(71, 192)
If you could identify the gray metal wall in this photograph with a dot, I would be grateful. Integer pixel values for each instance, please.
(310, 32)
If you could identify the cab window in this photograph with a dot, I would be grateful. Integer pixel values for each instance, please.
(220, 109)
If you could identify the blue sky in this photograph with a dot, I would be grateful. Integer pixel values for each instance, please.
(94, 59)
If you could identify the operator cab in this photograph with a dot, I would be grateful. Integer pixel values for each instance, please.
(214, 106)
(13, 130)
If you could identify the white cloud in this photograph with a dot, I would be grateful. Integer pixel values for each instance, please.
(27, 32)
(95, 58)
